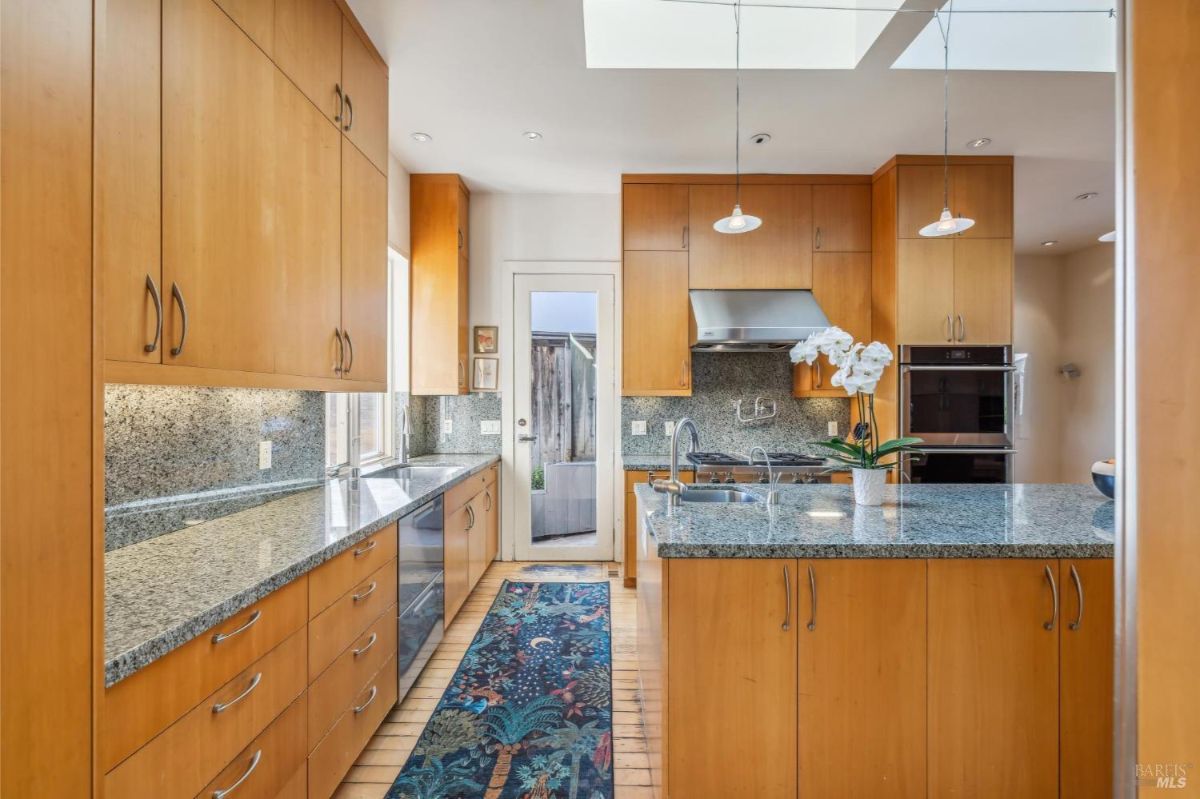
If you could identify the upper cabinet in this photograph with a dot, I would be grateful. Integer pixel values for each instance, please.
(654, 216)
(439, 291)
(364, 268)
(308, 48)
(979, 191)
(841, 218)
(365, 94)
(655, 347)
(842, 287)
(777, 255)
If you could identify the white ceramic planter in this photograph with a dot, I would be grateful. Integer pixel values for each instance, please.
(868, 485)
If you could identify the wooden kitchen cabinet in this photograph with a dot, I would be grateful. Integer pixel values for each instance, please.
(491, 510)
(457, 555)
(255, 18)
(365, 93)
(993, 679)
(632, 478)
(127, 177)
(842, 287)
(841, 218)
(308, 48)
(983, 192)
(862, 678)
(477, 531)
(655, 340)
(778, 255)
(983, 291)
(732, 675)
(919, 198)
(654, 216)
(925, 293)
(364, 268)
(1086, 681)
(438, 284)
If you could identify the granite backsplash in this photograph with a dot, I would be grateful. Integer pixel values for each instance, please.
(427, 416)
(177, 455)
(718, 381)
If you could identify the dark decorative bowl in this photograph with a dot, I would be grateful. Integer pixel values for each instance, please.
(1104, 477)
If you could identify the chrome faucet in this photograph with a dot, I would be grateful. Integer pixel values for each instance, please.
(772, 478)
(405, 433)
(673, 487)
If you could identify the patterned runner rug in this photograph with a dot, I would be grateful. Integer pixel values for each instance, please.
(528, 714)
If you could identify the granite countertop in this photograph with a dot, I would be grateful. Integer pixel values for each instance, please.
(161, 593)
(915, 521)
(642, 463)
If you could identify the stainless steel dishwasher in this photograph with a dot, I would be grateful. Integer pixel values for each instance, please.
(421, 591)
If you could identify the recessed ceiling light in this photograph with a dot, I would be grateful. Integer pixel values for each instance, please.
(1050, 243)
(979, 144)
(1087, 195)
(532, 135)
(422, 137)
(760, 138)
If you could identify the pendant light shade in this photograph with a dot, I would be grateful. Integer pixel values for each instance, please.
(737, 222)
(947, 225)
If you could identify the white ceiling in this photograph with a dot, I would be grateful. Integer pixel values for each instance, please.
(475, 74)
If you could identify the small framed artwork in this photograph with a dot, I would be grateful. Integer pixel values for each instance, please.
(487, 374)
(486, 340)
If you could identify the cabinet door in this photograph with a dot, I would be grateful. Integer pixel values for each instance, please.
(919, 198)
(128, 201)
(1086, 683)
(308, 48)
(365, 84)
(731, 670)
(925, 291)
(438, 286)
(256, 18)
(841, 219)
(776, 256)
(983, 290)
(984, 192)
(457, 554)
(477, 524)
(862, 678)
(655, 216)
(364, 267)
(219, 222)
(993, 679)
(308, 206)
(656, 354)
(842, 287)
(491, 510)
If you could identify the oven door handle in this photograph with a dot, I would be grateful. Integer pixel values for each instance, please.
(912, 368)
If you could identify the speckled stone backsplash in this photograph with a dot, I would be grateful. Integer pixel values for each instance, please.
(465, 413)
(175, 455)
(718, 380)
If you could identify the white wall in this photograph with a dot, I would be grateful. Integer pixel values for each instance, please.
(1037, 331)
(398, 205)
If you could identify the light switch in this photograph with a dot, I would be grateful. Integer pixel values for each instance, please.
(833, 427)
(447, 427)
(489, 427)
(264, 455)
(668, 429)
(637, 428)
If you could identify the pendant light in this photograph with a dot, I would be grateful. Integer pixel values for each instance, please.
(947, 224)
(737, 222)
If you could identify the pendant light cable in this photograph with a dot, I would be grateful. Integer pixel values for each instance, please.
(945, 31)
(737, 113)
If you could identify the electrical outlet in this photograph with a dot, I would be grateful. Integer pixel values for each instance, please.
(637, 428)
(447, 427)
(668, 429)
(489, 427)
(833, 427)
(264, 455)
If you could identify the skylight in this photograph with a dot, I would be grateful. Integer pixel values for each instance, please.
(668, 34)
(1040, 41)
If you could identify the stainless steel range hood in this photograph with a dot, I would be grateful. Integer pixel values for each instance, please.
(752, 320)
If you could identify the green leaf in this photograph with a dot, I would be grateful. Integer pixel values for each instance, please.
(839, 445)
(897, 445)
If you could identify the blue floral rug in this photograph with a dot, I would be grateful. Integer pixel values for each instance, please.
(528, 714)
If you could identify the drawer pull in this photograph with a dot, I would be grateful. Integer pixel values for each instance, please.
(370, 699)
(370, 643)
(221, 794)
(154, 295)
(367, 593)
(1075, 625)
(221, 707)
(358, 553)
(254, 617)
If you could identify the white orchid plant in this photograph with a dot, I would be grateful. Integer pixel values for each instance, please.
(859, 369)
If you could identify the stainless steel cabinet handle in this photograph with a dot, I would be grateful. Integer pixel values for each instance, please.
(367, 646)
(949, 329)
(358, 553)
(370, 699)
(471, 513)
(154, 295)
(817, 366)
(812, 590)
(341, 108)
(685, 237)
(341, 359)
(683, 373)
(221, 794)
(962, 328)
(460, 240)
(221, 707)
(1075, 625)
(787, 595)
(350, 349)
(818, 244)
(177, 296)
(488, 496)
(1049, 625)
(250, 622)
(349, 113)
(367, 593)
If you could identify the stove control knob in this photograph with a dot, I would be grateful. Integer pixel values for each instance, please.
(714, 478)
(762, 478)
(729, 478)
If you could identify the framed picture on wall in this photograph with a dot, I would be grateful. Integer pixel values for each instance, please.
(486, 342)
(487, 374)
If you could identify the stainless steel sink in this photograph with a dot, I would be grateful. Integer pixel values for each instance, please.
(715, 494)
(408, 472)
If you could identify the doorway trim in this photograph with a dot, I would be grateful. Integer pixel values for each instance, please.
(509, 271)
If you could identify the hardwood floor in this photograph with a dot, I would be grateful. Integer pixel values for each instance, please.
(381, 761)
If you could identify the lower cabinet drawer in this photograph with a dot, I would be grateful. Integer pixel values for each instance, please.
(349, 675)
(335, 577)
(343, 622)
(334, 756)
(268, 767)
(191, 751)
(296, 787)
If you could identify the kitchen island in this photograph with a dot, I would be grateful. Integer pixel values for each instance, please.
(956, 641)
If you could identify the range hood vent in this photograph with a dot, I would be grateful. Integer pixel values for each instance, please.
(752, 320)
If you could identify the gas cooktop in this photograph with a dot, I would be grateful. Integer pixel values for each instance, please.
(776, 459)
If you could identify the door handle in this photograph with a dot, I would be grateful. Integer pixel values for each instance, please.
(349, 113)
(962, 328)
(1075, 625)
(526, 437)
(177, 296)
(949, 329)
(1049, 625)
(685, 237)
(787, 594)
(341, 358)
(350, 350)
(812, 590)
(817, 366)
(818, 242)
(153, 289)
(683, 373)
(341, 102)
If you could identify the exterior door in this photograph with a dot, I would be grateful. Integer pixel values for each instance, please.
(564, 407)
